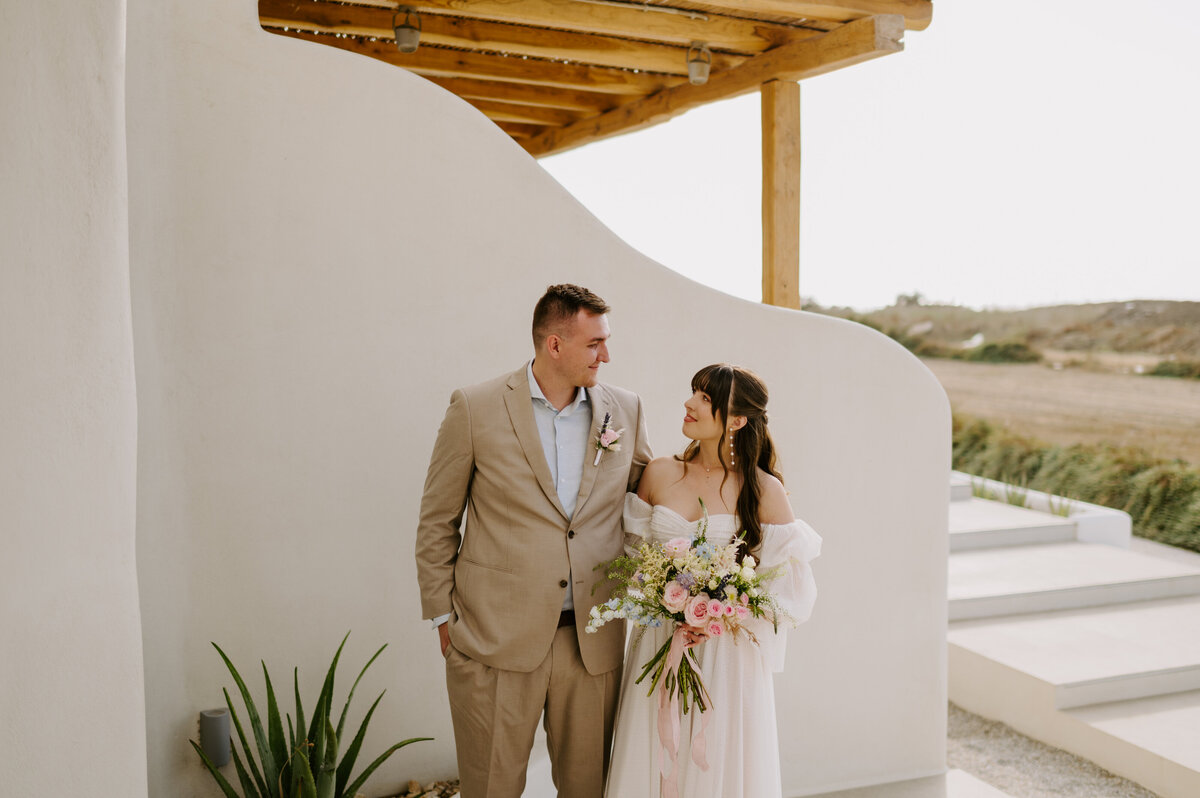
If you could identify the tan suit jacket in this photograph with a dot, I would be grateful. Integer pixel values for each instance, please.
(501, 574)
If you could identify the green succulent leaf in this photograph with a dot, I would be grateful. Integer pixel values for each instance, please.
(249, 788)
(270, 770)
(225, 786)
(351, 755)
(274, 725)
(241, 733)
(379, 760)
(342, 720)
(308, 787)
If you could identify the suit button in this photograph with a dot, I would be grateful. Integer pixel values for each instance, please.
(571, 533)
(562, 582)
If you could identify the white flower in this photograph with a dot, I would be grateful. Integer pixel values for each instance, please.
(731, 591)
(749, 561)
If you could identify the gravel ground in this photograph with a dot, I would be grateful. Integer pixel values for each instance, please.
(1025, 768)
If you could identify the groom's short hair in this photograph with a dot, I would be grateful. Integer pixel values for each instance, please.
(559, 305)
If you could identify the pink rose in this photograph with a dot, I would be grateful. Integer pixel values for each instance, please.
(609, 437)
(729, 610)
(696, 610)
(743, 613)
(716, 608)
(676, 547)
(715, 629)
(675, 596)
(744, 598)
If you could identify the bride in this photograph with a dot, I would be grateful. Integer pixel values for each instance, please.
(730, 464)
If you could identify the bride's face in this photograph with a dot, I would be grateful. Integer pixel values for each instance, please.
(700, 422)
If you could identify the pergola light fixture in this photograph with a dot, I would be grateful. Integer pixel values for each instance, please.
(699, 62)
(408, 32)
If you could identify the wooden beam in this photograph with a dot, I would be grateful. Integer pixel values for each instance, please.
(917, 13)
(735, 34)
(523, 114)
(590, 103)
(457, 63)
(848, 44)
(476, 34)
(781, 193)
(519, 131)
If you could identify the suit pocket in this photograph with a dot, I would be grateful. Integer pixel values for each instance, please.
(485, 566)
(612, 460)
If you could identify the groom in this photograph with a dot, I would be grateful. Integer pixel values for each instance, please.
(509, 590)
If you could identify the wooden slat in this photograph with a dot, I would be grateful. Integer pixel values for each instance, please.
(733, 34)
(849, 44)
(457, 63)
(781, 193)
(917, 13)
(475, 34)
(587, 102)
(523, 114)
(519, 131)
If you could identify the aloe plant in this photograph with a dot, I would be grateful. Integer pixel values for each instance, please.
(306, 765)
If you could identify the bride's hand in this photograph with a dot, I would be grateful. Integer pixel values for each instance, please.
(693, 637)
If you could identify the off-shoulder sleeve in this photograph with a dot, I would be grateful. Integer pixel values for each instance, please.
(636, 522)
(790, 548)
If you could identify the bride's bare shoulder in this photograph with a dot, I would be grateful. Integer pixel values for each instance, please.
(660, 472)
(774, 506)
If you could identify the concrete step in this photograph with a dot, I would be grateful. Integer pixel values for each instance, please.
(954, 784)
(980, 524)
(960, 487)
(1158, 737)
(1074, 658)
(1013, 580)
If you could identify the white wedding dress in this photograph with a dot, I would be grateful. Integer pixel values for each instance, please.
(742, 738)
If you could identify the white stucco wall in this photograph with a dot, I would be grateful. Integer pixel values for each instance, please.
(71, 706)
(322, 247)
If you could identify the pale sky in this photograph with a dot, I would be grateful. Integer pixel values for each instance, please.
(1015, 154)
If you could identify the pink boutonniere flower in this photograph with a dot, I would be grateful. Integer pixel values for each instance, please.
(606, 441)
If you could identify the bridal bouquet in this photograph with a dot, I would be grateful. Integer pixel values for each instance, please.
(698, 587)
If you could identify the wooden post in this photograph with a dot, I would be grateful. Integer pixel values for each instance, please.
(781, 193)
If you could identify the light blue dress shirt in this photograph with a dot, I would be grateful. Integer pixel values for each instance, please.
(564, 435)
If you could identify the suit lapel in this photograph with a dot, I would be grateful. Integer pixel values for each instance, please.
(520, 413)
(601, 406)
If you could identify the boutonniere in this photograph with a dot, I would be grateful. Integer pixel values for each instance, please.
(607, 440)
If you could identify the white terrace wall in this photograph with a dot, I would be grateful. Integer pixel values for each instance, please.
(71, 707)
(322, 248)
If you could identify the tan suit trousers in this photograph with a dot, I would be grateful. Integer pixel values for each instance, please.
(495, 714)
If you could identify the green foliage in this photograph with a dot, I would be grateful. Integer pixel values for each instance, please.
(307, 765)
(1161, 496)
(1003, 352)
(1188, 369)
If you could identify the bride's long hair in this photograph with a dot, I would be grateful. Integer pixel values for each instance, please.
(734, 391)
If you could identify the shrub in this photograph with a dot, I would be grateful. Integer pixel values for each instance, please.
(1003, 352)
(1188, 369)
(1161, 496)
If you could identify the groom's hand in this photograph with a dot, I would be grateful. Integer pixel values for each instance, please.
(444, 636)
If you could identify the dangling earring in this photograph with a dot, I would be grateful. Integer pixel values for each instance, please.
(731, 460)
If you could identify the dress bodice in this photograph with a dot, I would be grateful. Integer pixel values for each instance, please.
(795, 540)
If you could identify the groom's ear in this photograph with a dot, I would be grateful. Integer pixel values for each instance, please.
(554, 344)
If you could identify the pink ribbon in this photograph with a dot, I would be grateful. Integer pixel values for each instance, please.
(668, 716)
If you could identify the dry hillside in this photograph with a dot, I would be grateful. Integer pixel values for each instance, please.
(1150, 327)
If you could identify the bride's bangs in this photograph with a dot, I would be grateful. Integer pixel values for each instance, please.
(716, 381)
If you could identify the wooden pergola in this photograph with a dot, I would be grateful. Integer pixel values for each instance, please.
(558, 74)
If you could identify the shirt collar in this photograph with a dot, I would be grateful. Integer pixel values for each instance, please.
(535, 393)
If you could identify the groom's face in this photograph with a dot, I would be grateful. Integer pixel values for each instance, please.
(582, 347)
